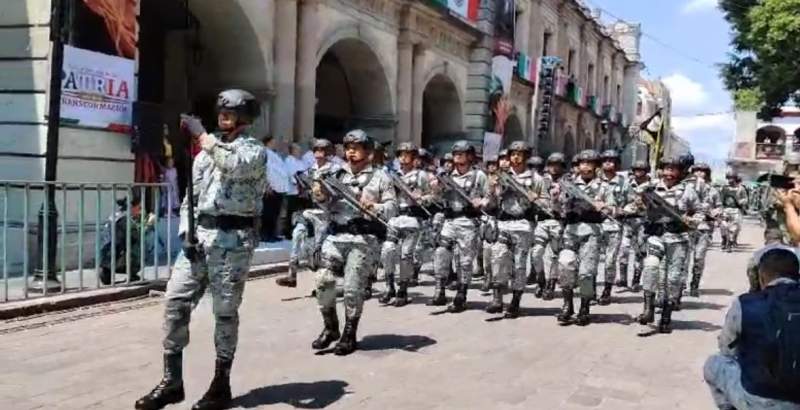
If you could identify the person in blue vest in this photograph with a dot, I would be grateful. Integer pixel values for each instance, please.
(758, 366)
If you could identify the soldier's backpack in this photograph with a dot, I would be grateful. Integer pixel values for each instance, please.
(784, 323)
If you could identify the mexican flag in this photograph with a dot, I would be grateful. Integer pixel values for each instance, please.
(467, 9)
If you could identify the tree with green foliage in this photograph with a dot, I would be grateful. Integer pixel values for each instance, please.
(766, 52)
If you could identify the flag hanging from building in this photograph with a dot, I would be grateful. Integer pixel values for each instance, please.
(466, 9)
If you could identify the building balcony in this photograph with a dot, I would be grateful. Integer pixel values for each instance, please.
(770, 151)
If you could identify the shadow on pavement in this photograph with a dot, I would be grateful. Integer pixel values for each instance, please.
(617, 318)
(317, 395)
(408, 343)
(692, 305)
(716, 292)
(694, 325)
(622, 300)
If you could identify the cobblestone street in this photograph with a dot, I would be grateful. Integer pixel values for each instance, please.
(105, 357)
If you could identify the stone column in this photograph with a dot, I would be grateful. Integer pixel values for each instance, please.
(405, 67)
(282, 113)
(306, 69)
(419, 91)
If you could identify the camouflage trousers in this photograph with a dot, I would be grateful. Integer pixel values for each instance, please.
(701, 241)
(731, 223)
(310, 224)
(397, 254)
(458, 236)
(610, 251)
(664, 266)
(633, 245)
(423, 250)
(353, 257)
(547, 234)
(580, 257)
(724, 377)
(509, 254)
(223, 268)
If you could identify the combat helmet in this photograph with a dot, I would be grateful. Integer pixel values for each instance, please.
(588, 155)
(241, 102)
(322, 144)
(358, 137)
(462, 146)
(519, 146)
(557, 158)
(640, 166)
(407, 147)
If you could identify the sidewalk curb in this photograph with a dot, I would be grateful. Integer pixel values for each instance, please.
(36, 306)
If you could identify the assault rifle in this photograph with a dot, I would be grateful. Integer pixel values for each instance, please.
(573, 191)
(335, 188)
(657, 205)
(452, 186)
(303, 182)
(509, 182)
(404, 189)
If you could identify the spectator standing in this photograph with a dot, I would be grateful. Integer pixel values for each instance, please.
(756, 367)
(308, 159)
(170, 201)
(277, 186)
(294, 202)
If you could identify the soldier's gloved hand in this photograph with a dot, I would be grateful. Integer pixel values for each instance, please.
(192, 125)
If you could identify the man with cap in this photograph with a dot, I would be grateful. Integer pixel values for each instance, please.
(311, 222)
(579, 259)
(633, 237)
(229, 179)
(549, 231)
(612, 229)
(460, 230)
(398, 249)
(509, 253)
(734, 200)
(709, 201)
(353, 242)
(667, 245)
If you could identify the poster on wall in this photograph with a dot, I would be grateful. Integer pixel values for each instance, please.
(502, 65)
(107, 26)
(97, 90)
(491, 145)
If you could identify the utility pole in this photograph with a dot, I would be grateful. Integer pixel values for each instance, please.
(45, 278)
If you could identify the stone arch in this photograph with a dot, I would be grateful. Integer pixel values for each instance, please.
(442, 69)
(442, 117)
(352, 87)
(770, 134)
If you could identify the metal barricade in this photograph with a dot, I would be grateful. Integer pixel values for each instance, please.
(102, 235)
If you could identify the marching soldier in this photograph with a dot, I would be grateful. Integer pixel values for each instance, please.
(574, 165)
(586, 204)
(633, 238)
(708, 198)
(423, 251)
(353, 232)
(229, 179)
(311, 222)
(413, 190)
(503, 161)
(667, 246)
(549, 231)
(447, 162)
(509, 253)
(536, 164)
(612, 229)
(459, 234)
(734, 200)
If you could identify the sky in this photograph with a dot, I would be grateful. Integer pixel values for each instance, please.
(682, 41)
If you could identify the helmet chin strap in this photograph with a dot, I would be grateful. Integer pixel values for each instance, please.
(231, 135)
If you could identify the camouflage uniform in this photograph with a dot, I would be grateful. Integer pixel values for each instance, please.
(734, 199)
(515, 235)
(408, 227)
(700, 241)
(459, 234)
(612, 230)
(633, 238)
(229, 180)
(548, 233)
(667, 250)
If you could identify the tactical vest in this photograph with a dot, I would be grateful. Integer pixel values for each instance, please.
(729, 199)
(769, 345)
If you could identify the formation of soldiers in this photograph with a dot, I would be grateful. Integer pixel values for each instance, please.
(517, 221)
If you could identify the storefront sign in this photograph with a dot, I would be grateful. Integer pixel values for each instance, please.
(98, 90)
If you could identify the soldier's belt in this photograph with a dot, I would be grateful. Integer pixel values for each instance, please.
(660, 228)
(226, 222)
(467, 213)
(589, 217)
(508, 217)
(359, 227)
(413, 211)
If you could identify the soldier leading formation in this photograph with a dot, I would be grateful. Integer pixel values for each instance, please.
(522, 221)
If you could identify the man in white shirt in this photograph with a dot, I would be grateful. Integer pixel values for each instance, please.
(294, 164)
(277, 187)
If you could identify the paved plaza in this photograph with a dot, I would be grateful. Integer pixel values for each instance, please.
(414, 357)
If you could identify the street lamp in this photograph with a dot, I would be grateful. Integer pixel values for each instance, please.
(45, 278)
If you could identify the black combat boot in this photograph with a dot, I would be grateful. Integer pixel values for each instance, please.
(452, 280)
(649, 313)
(415, 277)
(677, 305)
(218, 395)
(170, 389)
(460, 301)
(531, 278)
(290, 280)
(368, 290)
(605, 297)
(402, 295)
(636, 285)
(496, 305)
(487, 282)
(568, 309)
(549, 290)
(622, 282)
(664, 324)
(541, 284)
(330, 333)
(390, 291)
(439, 298)
(694, 286)
(583, 318)
(512, 311)
(347, 344)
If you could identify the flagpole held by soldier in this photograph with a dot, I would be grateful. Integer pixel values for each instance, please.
(224, 196)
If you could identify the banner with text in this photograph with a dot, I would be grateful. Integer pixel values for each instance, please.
(98, 90)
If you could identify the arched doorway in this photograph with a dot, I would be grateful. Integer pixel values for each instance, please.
(352, 92)
(441, 112)
(513, 130)
(770, 142)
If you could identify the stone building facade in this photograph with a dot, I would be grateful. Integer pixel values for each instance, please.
(761, 146)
